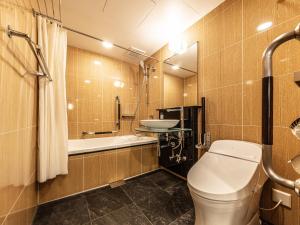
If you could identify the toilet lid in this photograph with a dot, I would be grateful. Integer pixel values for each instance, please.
(223, 178)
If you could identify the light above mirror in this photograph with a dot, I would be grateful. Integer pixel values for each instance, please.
(177, 45)
(107, 44)
(175, 67)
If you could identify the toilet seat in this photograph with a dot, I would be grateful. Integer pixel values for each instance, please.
(221, 177)
(225, 184)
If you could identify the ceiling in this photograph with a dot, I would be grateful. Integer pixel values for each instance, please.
(143, 24)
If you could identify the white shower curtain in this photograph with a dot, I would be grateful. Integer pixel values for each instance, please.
(53, 128)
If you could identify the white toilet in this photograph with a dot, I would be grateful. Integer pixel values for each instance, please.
(226, 184)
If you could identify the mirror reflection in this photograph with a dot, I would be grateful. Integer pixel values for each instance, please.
(180, 78)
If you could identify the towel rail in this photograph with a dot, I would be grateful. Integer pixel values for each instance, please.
(36, 51)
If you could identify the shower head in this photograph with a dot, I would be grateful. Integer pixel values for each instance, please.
(142, 65)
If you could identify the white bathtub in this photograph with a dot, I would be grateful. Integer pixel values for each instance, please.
(79, 146)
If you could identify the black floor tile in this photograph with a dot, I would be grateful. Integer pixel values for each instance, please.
(163, 179)
(128, 215)
(155, 199)
(140, 189)
(186, 219)
(70, 211)
(104, 202)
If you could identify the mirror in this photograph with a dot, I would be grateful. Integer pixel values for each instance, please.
(180, 78)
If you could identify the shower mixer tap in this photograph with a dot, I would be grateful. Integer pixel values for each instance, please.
(267, 110)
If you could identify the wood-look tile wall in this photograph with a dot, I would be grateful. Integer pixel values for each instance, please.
(173, 91)
(230, 51)
(88, 171)
(91, 93)
(18, 120)
(179, 91)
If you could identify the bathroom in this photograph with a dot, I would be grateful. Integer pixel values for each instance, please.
(145, 112)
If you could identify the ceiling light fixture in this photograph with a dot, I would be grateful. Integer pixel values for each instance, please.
(107, 44)
(96, 62)
(264, 26)
(178, 45)
(175, 67)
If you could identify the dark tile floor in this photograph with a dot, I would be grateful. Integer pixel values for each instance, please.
(158, 198)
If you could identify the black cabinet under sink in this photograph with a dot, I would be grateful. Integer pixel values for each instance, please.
(189, 153)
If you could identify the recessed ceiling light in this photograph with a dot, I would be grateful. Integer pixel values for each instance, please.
(175, 67)
(107, 44)
(264, 26)
(96, 62)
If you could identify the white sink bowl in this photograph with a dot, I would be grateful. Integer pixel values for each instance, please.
(159, 124)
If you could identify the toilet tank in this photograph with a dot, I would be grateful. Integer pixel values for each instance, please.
(238, 149)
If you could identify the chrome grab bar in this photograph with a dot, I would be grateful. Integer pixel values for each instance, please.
(98, 132)
(118, 112)
(267, 110)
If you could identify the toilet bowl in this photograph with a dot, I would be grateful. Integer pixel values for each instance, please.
(226, 183)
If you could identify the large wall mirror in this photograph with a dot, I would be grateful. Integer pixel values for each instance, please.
(180, 78)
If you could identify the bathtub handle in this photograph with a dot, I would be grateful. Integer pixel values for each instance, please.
(97, 132)
(118, 112)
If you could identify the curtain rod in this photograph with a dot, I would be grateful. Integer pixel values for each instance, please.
(35, 13)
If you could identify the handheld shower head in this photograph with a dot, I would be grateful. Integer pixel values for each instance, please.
(142, 65)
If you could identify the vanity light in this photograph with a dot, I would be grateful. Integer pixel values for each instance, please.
(107, 44)
(119, 84)
(175, 67)
(96, 62)
(264, 26)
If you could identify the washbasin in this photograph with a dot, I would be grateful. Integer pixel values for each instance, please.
(159, 124)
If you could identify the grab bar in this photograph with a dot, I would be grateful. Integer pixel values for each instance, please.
(98, 132)
(118, 112)
(267, 110)
(35, 49)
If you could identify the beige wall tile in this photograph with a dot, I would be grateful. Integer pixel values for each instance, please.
(232, 19)
(252, 103)
(149, 158)
(128, 162)
(212, 71)
(108, 162)
(91, 171)
(231, 65)
(63, 185)
(231, 105)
